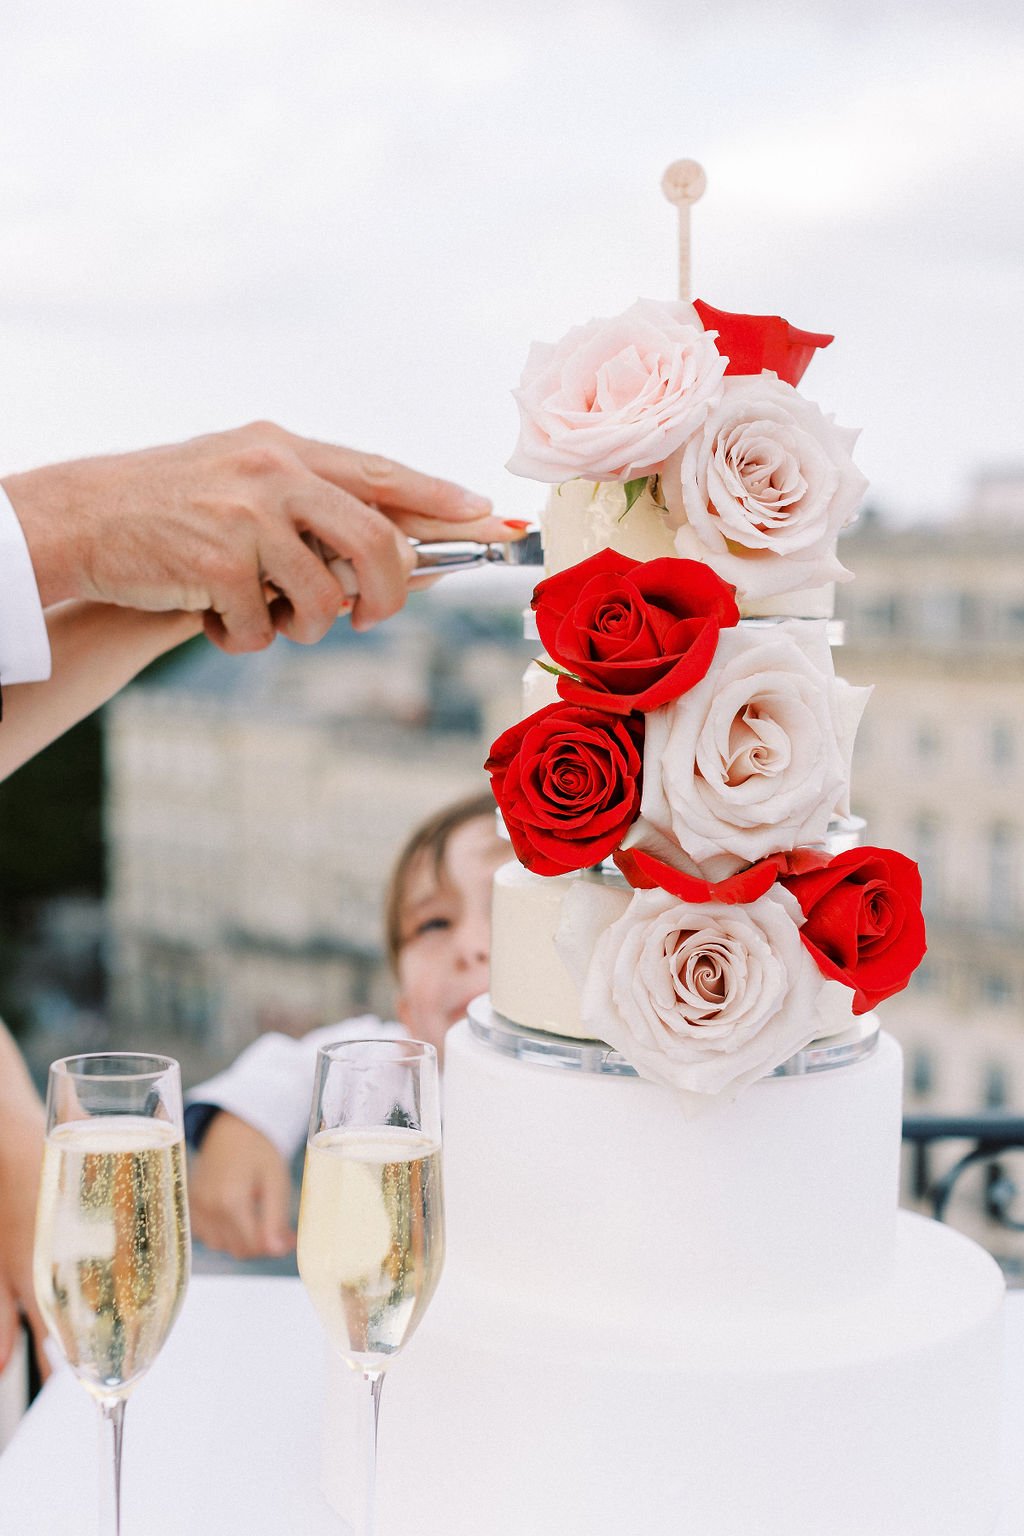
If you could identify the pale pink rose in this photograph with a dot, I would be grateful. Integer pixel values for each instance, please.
(762, 490)
(705, 998)
(755, 758)
(614, 398)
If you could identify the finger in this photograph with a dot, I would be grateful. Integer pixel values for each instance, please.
(386, 483)
(275, 1234)
(310, 595)
(240, 620)
(383, 559)
(486, 530)
(205, 1224)
(245, 1228)
(221, 1226)
(420, 583)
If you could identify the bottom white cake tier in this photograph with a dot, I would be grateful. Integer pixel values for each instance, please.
(876, 1418)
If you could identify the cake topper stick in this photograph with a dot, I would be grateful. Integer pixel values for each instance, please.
(683, 183)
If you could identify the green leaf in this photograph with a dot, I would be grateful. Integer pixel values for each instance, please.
(634, 489)
(556, 671)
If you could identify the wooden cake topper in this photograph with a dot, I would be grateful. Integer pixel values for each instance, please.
(683, 183)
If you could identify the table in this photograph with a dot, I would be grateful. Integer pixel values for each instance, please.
(224, 1434)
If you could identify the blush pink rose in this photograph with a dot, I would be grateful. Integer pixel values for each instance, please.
(762, 491)
(702, 997)
(755, 759)
(616, 397)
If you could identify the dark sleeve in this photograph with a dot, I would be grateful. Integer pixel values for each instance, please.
(198, 1119)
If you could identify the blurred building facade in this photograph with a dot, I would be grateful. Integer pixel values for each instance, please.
(254, 811)
(935, 621)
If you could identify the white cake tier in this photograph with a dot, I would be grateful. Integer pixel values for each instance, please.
(784, 1200)
(876, 1418)
(529, 981)
(582, 518)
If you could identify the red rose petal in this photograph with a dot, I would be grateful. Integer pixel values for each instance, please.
(747, 885)
(755, 342)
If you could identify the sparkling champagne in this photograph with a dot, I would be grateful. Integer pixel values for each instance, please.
(371, 1236)
(112, 1250)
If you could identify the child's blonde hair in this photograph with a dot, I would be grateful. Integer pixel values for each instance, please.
(430, 839)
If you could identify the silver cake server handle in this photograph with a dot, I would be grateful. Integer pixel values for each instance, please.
(437, 559)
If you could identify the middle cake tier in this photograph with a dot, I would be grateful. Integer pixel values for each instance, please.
(784, 1199)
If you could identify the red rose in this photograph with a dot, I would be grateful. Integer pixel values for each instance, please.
(636, 633)
(755, 342)
(567, 783)
(864, 925)
(645, 872)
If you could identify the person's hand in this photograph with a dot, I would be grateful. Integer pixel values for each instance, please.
(22, 1128)
(223, 524)
(239, 1191)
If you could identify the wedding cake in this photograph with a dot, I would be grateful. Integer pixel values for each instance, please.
(679, 1296)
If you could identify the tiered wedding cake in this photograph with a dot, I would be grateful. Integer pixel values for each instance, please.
(679, 1298)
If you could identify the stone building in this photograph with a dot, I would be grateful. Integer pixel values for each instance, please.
(254, 809)
(935, 620)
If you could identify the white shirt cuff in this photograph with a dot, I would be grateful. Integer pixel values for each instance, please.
(24, 643)
(270, 1084)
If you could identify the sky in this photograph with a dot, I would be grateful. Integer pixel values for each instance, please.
(355, 223)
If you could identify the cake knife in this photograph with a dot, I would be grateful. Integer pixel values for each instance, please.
(444, 555)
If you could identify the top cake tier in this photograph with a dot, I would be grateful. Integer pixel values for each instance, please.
(677, 429)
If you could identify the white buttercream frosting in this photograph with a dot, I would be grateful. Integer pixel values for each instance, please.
(583, 517)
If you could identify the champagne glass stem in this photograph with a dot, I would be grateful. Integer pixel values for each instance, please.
(111, 1441)
(376, 1381)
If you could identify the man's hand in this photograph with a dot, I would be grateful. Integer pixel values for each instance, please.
(239, 1191)
(22, 1127)
(221, 524)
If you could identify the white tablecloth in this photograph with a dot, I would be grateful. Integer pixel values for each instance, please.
(224, 1435)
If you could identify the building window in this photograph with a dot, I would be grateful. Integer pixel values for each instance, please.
(996, 989)
(880, 616)
(940, 614)
(1002, 744)
(926, 977)
(996, 1090)
(922, 1073)
(927, 845)
(927, 741)
(1002, 876)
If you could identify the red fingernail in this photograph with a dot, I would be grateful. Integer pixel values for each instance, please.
(516, 523)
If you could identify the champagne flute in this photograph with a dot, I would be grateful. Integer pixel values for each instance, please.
(112, 1251)
(371, 1218)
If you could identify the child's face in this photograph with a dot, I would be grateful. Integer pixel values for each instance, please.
(445, 930)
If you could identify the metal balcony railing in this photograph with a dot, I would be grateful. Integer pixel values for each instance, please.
(990, 1134)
